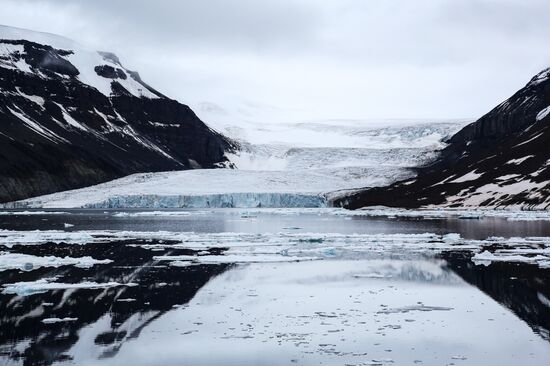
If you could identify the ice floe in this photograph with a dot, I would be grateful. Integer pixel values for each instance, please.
(58, 320)
(31, 213)
(419, 307)
(211, 259)
(47, 284)
(511, 215)
(27, 262)
(280, 246)
(151, 213)
(487, 258)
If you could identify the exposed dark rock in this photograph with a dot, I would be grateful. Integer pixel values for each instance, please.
(110, 72)
(58, 133)
(500, 160)
(44, 58)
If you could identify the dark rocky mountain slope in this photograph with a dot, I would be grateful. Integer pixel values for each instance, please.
(501, 160)
(72, 117)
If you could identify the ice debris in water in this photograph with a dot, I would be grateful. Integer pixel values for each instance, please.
(152, 213)
(58, 320)
(27, 262)
(441, 213)
(212, 259)
(291, 246)
(486, 258)
(31, 213)
(46, 284)
(419, 307)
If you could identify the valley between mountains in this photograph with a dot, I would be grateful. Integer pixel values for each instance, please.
(82, 128)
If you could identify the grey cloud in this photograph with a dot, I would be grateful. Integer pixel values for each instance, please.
(329, 58)
(237, 23)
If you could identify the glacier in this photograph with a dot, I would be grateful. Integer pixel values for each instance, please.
(290, 165)
(226, 200)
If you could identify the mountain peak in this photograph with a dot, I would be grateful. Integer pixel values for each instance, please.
(35, 52)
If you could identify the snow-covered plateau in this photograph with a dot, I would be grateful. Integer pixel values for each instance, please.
(280, 165)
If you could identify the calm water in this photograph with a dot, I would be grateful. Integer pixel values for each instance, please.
(239, 220)
(383, 309)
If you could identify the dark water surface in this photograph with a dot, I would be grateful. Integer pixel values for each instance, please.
(385, 310)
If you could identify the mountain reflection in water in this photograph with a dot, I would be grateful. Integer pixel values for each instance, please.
(522, 288)
(122, 311)
(110, 323)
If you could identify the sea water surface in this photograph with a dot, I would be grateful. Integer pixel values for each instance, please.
(271, 287)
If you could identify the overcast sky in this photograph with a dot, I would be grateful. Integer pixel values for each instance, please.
(314, 59)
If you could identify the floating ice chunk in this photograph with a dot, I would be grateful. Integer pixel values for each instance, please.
(10, 237)
(486, 258)
(453, 237)
(27, 262)
(58, 320)
(290, 246)
(45, 285)
(182, 264)
(30, 213)
(372, 275)
(214, 259)
(381, 361)
(440, 213)
(152, 213)
(420, 307)
(462, 358)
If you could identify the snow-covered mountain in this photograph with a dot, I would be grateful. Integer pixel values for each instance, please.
(501, 160)
(72, 117)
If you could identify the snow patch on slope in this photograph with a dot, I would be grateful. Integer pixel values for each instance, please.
(83, 58)
(467, 177)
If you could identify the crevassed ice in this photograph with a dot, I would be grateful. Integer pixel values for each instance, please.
(226, 200)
